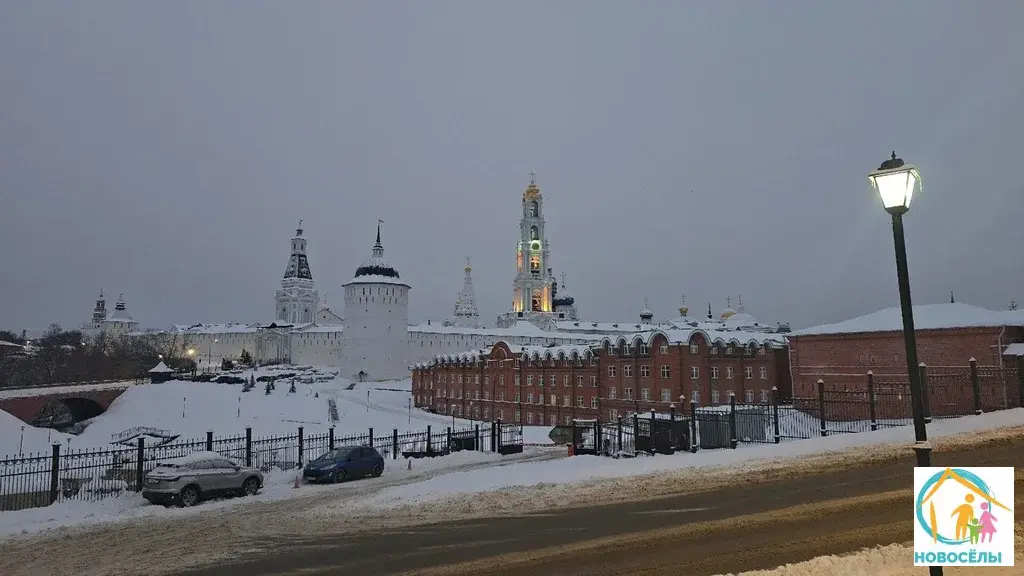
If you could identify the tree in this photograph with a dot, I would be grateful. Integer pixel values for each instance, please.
(292, 389)
(245, 357)
(270, 386)
(8, 336)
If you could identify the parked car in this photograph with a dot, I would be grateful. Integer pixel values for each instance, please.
(199, 476)
(345, 463)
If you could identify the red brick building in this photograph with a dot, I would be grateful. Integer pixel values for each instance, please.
(948, 336)
(605, 379)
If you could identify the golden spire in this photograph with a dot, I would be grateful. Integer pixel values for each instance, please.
(468, 267)
(532, 190)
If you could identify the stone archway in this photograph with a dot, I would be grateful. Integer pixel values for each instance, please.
(64, 412)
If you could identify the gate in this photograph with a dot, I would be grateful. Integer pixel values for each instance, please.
(586, 437)
(510, 439)
(661, 436)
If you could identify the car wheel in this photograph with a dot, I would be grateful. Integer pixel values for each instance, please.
(377, 471)
(189, 496)
(338, 476)
(251, 486)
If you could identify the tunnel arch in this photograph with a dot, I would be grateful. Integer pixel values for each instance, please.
(63, 412)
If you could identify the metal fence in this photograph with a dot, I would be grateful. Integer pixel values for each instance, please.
(883, 401)
(34, 480)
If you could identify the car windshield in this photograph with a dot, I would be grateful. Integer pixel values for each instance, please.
(336, 454)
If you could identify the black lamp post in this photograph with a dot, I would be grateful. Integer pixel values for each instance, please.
(895, 182)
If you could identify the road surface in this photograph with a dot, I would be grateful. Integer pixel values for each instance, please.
(725, 530)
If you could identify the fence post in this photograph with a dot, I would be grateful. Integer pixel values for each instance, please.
(872, 410)
(926, 402)
(300, 447)
(494, 443)
(598, 436)
(733, 442)
(394, 444)
(140, 469)
(618, 447)
(499, 436)
(370, 440)
(477, 445)
(975, 386)
(449, 447)
(636, 429)
(248, 445)
(209, 440)
(694, 443)
(1020, 378)
(775, 414)
(330, 438)
(55, 473)
(428, 439)
(821, 407)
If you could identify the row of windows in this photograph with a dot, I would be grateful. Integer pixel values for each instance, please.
(627, 372)
(553, 399)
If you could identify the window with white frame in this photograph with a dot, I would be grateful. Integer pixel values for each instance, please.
(748, 372)
(666, 395)
(613, 414)
(611, 371)
(666, 371)
(645, 394)
(529, 417)
(554, 399)
(644, 349)
(593, 381)
(529, 380)
(579, 381)
(714, 372)
(553, 420)
(517, 397)
(696, 396)
(694, 372)
(519, 416)
(764, 396)
(501, 395)
(568, 420)
(749, 396)
(554, 381)
(501, 414)
(579, 401)
(566, 400)
(645, 371)
(529, 398)
(627, 393)
(627, 371)
(761, 351)
(714, 350)
(729, 372)
(613, 393)
(714, 397)
(594, 402)
(663, 349)
(764, 373)
(565, 380)
(694, 349)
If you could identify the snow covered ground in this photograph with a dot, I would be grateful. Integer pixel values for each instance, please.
(278, 485)
(190, 409)
(523, 482)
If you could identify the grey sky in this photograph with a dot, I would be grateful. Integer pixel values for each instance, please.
(167, 150)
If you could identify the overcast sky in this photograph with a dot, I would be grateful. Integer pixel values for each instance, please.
(167, 150)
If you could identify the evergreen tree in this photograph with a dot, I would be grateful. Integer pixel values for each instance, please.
(245, 357)
(269, 388)
(292, 389)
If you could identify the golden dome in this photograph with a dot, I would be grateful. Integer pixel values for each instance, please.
(729, 312)
(532, 190)
(683, 311)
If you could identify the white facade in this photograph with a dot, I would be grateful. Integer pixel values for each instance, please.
(376, 328)
(297, 301)
(466, 313)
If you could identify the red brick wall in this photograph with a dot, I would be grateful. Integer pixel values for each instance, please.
(843, 359)
(27, 407)
(610, 385)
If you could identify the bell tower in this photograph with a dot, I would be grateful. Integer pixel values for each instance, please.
(297, 300)
(532, 292)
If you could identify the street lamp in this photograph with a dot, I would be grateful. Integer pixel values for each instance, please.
(895, 182)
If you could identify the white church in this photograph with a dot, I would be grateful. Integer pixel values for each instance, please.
(371, 340)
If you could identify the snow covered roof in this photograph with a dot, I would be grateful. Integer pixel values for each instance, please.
(120, 313)
(520, 329)
(1014, 350)
(6, 344)
(604, 327)
(926, 317)
(376, 279)
(230, 328)
(161, 368)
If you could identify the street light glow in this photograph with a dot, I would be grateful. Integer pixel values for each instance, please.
(895, 181)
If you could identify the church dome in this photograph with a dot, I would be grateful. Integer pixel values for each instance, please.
(728, 313)
(739, 320)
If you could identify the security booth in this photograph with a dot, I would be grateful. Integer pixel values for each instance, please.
(586, 436)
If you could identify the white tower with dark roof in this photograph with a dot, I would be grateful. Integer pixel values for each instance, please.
(297, 301)
(375, 340)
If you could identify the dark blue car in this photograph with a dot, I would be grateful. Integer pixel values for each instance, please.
(344, 463)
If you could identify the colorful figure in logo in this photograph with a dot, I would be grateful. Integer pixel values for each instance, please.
(975, 529)
(987, 519)
(963, 513)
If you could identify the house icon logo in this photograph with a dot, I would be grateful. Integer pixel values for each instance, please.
(963, 516)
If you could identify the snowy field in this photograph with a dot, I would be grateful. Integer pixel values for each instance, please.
(190, 409)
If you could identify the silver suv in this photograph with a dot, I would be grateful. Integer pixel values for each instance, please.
(200, 475)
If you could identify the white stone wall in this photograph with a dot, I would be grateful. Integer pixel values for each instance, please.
(376, 333)
(319, 346)
(213, 347)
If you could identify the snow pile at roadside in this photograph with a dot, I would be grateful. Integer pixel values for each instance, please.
(524, 485)
(278, 485)
(17, 437)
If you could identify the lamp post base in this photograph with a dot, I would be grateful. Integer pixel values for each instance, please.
(923, 451)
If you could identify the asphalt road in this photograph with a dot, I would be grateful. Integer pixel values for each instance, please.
(711, 532)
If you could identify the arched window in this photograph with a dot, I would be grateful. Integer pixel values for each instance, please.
(534, 233)
(534, 209)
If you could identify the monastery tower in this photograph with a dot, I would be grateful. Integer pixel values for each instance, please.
(376, 329)
(297, 301)
(532, 286)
